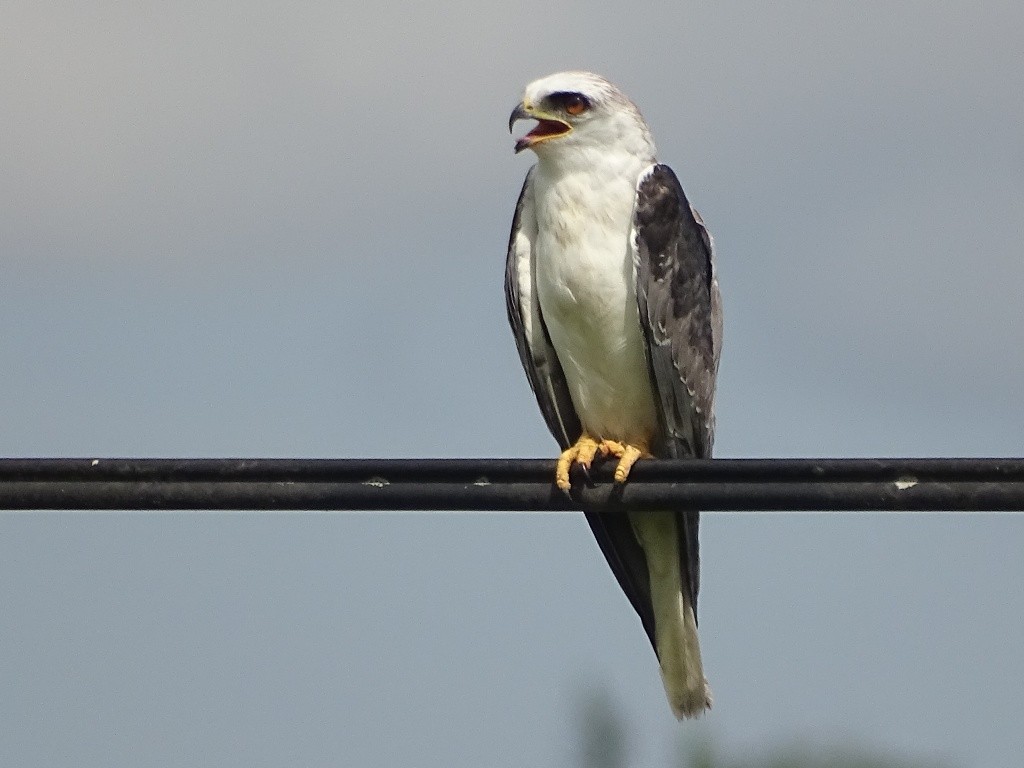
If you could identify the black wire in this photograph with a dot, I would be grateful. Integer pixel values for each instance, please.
(511, 484)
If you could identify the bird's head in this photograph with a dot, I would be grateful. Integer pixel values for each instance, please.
(577, 112)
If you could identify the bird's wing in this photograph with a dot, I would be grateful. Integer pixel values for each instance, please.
(680, 313)
(535, 351)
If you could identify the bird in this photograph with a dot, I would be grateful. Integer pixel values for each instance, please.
(613, 299)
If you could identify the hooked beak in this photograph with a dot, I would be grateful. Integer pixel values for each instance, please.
(548, 126)
(519, 113)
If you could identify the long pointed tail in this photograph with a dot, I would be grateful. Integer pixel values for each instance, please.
(675, 626)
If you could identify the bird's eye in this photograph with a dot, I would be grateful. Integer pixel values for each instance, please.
(576, 105)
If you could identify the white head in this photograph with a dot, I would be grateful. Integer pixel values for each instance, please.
(578, 114)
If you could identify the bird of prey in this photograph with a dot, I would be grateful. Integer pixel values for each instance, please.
(613, 300)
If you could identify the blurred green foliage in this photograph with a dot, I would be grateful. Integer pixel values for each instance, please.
(605, 743)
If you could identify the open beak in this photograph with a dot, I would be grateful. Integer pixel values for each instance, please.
(548, 126)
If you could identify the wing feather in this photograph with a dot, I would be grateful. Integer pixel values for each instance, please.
(536, 353)
(680, 313)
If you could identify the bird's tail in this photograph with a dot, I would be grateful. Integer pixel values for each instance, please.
(675, 625)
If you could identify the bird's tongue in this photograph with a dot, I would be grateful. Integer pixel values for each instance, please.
(540, 130)
(546, 128)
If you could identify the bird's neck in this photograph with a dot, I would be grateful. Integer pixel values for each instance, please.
(602, 164)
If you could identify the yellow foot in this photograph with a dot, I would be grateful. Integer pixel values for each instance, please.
(582, 453)
(626, 454)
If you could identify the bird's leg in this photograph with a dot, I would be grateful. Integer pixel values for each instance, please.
(581, 453)
(626, 454)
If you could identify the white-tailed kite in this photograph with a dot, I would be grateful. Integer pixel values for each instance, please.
(614, 303)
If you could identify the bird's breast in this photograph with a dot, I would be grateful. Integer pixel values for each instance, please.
(587, 292)
(584, 260)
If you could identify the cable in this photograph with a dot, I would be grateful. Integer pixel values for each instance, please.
(511, 485)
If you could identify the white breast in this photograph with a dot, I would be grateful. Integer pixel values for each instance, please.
(586, 287)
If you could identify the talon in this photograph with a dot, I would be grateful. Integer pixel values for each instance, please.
(628, 455)
(582, 453)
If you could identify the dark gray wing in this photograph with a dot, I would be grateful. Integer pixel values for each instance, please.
(535, 351)
(540, 361)
(680, 313)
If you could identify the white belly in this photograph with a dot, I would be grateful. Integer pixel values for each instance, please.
(586, 288)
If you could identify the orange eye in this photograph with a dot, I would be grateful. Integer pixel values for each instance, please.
(576, 105)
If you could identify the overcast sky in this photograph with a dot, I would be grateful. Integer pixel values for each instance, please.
(278, 230)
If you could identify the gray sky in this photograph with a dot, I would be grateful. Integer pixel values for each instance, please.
(244, 229)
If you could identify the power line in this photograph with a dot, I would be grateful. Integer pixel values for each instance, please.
(510, 485)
